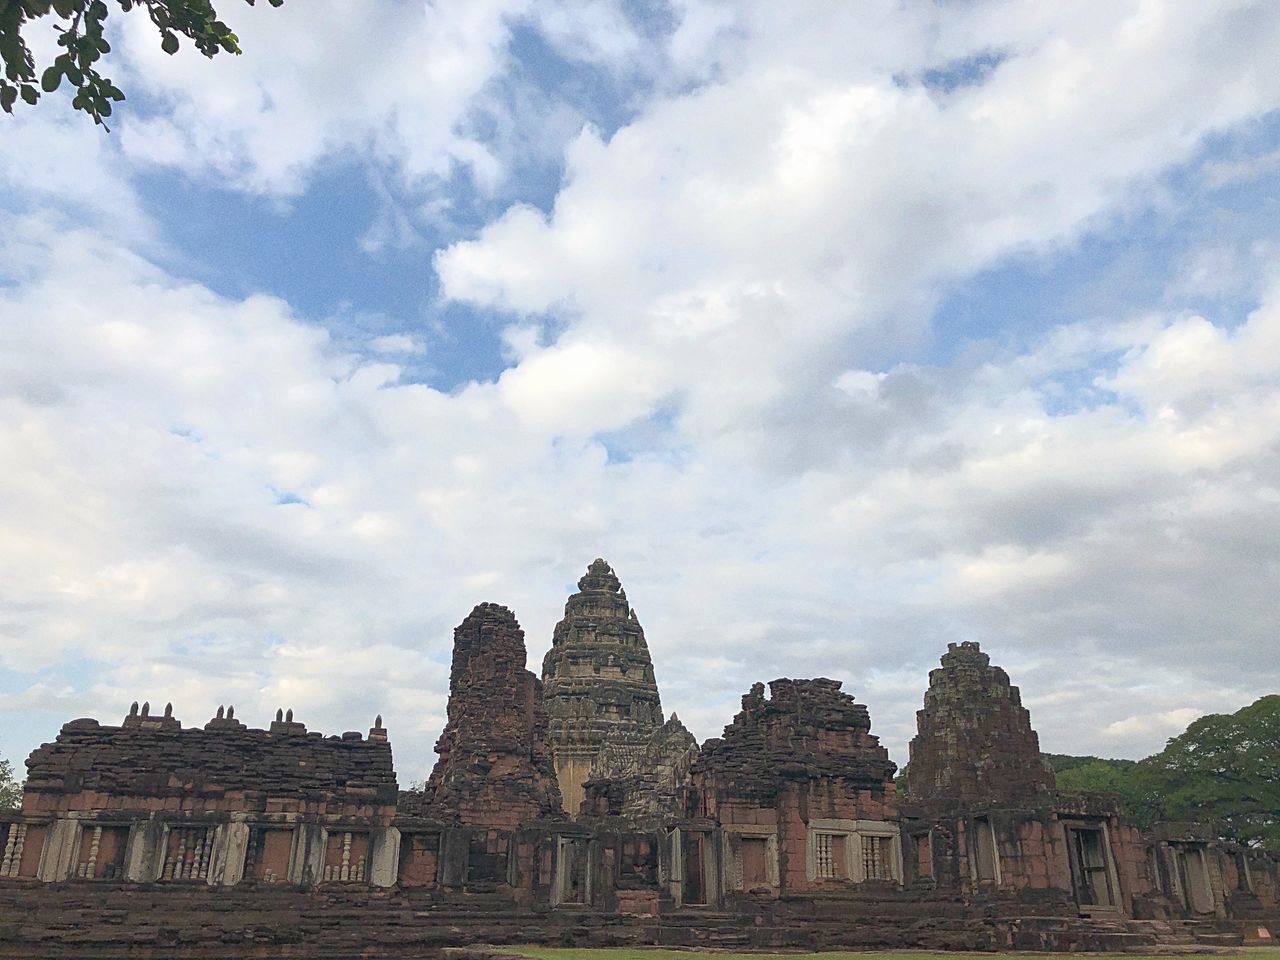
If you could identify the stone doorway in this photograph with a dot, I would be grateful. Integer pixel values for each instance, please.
(571, 870)
(693, 850)
(1193, 879)
(1090, 868)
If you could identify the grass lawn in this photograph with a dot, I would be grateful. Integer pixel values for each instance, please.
(562, 953)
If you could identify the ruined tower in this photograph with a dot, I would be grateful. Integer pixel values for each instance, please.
(598, 681)
(975, 744)
(495, 766)
(808, 733)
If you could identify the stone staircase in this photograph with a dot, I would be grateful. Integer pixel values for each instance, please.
(78, 922)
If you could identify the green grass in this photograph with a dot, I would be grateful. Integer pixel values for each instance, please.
(566, 953)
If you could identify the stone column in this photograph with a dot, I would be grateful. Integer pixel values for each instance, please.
(60, 847)
(384, 858)
(229, 854)
(144, 855)
(306, 865)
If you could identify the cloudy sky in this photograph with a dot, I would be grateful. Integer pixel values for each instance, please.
(842, 330)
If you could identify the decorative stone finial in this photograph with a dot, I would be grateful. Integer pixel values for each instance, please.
(133, 709)
(146, 708)
(231, 713)
(221, 712)
(377, 721)
(279, 714)
(168, 711)
(288, 715)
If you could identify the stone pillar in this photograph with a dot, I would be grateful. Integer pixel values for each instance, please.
(60, 848)
(384, 859)
(306, 864)
(229, 854)
(145, 854)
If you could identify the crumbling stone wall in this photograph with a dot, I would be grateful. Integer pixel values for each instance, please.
(495, 767)
(598, 682)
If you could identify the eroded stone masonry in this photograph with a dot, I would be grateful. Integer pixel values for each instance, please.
(567, 811)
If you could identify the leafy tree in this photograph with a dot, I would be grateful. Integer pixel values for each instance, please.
(1225, 768)
(10, 788)
(1062, 762)
(1131, 780)
(79, 25)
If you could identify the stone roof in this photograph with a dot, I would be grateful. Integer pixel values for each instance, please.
(155, 758)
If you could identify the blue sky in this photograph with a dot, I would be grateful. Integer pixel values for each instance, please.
(841, 334)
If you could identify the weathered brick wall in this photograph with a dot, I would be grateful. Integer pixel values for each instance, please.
(142, 922)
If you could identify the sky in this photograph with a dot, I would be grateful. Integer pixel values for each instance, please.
(843, 331)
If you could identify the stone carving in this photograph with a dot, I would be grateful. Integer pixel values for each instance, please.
(974, 742)
(495, 767)
(642, 786)
(599, 682)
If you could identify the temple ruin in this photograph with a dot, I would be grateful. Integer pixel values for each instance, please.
(566, 811)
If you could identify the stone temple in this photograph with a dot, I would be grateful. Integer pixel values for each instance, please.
(565, 810)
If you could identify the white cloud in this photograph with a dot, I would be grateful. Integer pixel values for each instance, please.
(210, 504)
(328, 80)
(207, 500)
(1170, 723)
(820, 197)
(397, 343)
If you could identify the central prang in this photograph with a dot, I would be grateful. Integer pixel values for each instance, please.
(598, 684)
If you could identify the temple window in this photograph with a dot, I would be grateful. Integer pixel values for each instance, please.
(346, 855)
(877, 858)
(14, 836)
(188, 853)
(268, 856)
(987, 869)
(102, 853)
(826, 846)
